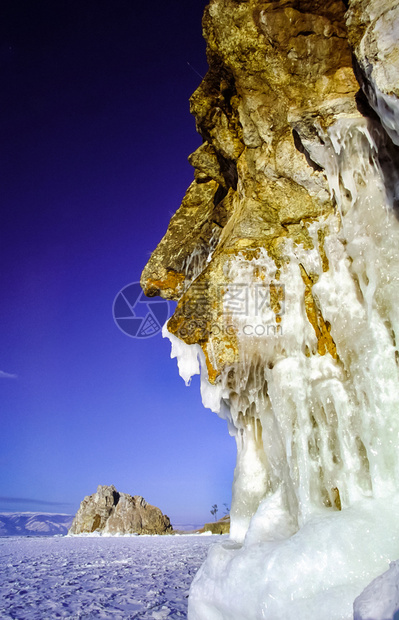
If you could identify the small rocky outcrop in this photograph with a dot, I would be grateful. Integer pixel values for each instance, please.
(110, 512)
(222, 526)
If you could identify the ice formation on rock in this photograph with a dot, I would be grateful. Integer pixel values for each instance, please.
(315, 433)
(291, 313)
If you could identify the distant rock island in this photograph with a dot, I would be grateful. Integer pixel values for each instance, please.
(109, 512)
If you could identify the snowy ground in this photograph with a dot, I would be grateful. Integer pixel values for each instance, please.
(99, 577)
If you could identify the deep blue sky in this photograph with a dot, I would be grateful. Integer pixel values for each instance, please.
(95, 132)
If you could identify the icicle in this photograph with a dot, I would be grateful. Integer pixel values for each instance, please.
(187, 356)
(200, 257)
(387, 108)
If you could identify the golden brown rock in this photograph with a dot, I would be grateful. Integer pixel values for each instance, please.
(275, 237)
(286, 253)
(280, 73)
(222, 526)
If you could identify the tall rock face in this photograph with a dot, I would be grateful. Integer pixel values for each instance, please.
(283, 258)
(110, 512)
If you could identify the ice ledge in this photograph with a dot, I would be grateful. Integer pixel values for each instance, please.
(315, 573)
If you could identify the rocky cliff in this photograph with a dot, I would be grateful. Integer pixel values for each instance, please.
(283, 258)
(110, 512)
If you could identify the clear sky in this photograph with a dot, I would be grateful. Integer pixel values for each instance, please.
(95, 132)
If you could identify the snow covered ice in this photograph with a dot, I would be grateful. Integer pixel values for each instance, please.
(129, 577)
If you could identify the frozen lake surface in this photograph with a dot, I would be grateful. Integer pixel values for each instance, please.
(99, 577)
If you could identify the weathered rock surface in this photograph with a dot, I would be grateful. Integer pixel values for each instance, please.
(280, 167)
(279, 75)
(373, 27)
(283, 259)
(110, 512)
(373, 30)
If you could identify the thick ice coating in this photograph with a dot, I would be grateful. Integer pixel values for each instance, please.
(317, 435)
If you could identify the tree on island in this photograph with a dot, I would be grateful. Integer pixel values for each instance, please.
(214, 510)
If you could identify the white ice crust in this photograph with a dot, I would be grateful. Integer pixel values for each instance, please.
(312, 574)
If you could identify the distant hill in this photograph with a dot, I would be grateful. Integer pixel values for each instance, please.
(34, 524)
(187, 527)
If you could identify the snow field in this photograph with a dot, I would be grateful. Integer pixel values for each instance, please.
(122, 578)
